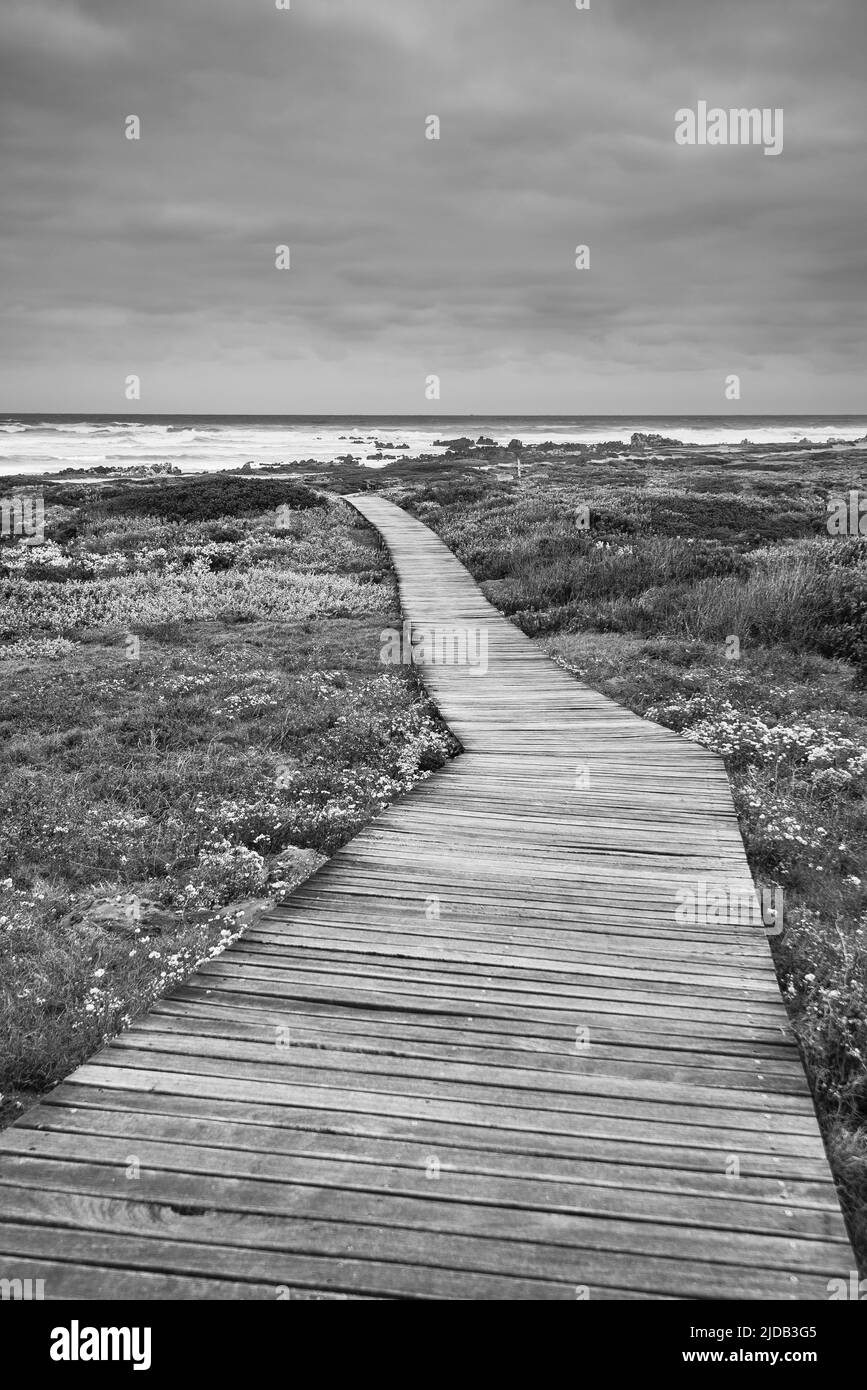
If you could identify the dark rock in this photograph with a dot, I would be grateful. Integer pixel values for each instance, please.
(125, 912)
(291, 867)
(244, 912)
(650, 441)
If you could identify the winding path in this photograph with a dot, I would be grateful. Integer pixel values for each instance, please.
(476, 1056)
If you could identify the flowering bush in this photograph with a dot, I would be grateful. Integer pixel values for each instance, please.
(224, 871)
(31, 648)
(821, 750)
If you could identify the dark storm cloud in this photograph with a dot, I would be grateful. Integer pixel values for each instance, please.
(306, 127)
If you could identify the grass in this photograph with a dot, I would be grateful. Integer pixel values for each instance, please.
(193, 715)
(207, 499)
(714, 601)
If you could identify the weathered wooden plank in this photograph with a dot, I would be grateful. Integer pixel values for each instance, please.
(453, 1182)
(361, 1115)
(603, 1169)
(186, 1195)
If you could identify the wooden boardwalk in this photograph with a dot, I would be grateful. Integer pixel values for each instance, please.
(476, 1056)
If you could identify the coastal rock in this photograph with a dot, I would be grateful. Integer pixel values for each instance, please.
(148, 470)
(462, 443)
(125, 912)
(483, 439)
(291, 867)
(515, 446)
(650, 441)
(244, 912)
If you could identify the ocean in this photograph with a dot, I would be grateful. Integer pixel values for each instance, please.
(48, 443)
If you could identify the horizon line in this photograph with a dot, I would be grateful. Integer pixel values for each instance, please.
(390, 415)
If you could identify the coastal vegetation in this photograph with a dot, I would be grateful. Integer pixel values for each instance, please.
(193, 717)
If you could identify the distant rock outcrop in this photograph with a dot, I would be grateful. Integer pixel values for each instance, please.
(652, 441)
(151, 470)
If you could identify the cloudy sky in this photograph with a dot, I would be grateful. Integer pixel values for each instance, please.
(412, 257)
